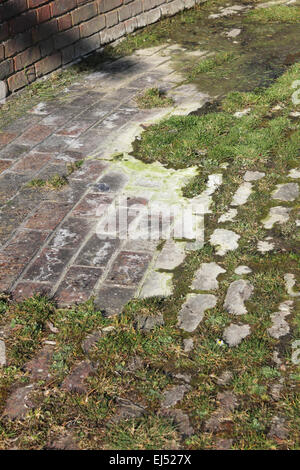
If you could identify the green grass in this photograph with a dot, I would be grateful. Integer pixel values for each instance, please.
(274, 14)
(211, 64)
(54, 183)
(217, 137)
(57, 181)
(28, 322)
(149, 433)
(153, 98)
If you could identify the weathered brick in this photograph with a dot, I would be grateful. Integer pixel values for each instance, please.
(92, 205)
(62, 6)
(47, 47)
(90, 171)
(84, 13)
(87, 45)
(66, 38)
(12, 8)
(111, 34)
(49, 265)
(30, 73)
(17, 44)
(133, 9)
(35, 134)
(68, 54)
(17, 81)
(45, 30)
(17, 255)
(131, 25)
(97, 252)
(4, 31)
(152, 16)
(75, 128)
(72, 233)
(150, 4)
(48, 216)
(129, 268)
(14, 151)
(6, 137)
(39, 366)
(32, 162)
(48, 64)
(19, 403)
(43, 13)
(36, 3)
(6, 68)
(4, 164)
(28, 57)
(24, 290)
(172, 7)
(23, 22)
(64, 22)
(77, 285)
(108, 5)
(112, 19)
(114, 181)
(93, 26)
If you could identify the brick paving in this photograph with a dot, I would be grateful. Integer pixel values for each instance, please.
(49, 239)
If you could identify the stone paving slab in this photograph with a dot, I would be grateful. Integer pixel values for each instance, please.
(50, 240)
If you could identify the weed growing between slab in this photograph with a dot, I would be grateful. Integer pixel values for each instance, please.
(153, 98)
(210, 64)
(57, 181)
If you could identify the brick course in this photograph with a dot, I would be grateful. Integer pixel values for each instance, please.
(39, 36)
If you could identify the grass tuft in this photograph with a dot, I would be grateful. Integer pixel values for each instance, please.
(154, 98)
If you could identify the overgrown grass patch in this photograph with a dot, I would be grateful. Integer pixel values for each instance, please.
(153, 98)
(275, 13)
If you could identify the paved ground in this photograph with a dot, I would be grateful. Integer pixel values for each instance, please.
(50, 240)
(67, 242)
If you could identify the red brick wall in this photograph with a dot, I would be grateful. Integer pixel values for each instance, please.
(39, 36)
